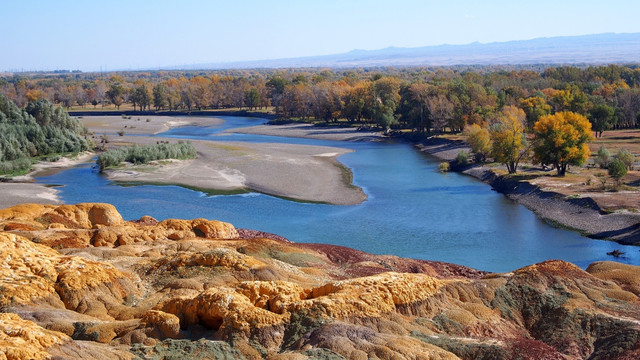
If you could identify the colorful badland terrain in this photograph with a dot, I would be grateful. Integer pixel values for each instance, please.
(80, 282)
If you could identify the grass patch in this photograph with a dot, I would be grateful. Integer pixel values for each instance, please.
(347, 175)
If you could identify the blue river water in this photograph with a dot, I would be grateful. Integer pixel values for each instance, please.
(412, 210)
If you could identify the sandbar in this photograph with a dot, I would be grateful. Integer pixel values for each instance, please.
(299, 172)
(312, 132)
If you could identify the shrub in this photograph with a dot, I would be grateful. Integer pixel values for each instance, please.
(479, 140)
(603, 157)
(462, 158)
(142, 154)
(617, 170)
(626, 157)
(444, 167)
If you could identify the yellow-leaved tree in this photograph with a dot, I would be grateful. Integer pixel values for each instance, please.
(508, 137)
(479, 141)
(561, 139)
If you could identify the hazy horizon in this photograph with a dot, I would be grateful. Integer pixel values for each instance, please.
(72, 35)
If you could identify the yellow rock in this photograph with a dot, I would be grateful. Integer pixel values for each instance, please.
(22, 339)
(166, 325)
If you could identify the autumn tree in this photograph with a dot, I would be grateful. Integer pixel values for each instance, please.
(508, 138)
(355, 100)
(100, 90)
(480, 141)
(534, 107)
(561, 139)
(440, 109)
(200, 91)
(419, 93)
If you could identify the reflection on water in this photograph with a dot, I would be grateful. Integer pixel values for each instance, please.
(412, 210)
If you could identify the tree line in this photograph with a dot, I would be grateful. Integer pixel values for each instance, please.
(425, 100)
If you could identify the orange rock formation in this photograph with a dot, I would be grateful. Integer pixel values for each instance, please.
(78, 279)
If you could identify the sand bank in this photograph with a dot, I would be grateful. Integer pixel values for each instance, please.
(300, 172)
(310, 131)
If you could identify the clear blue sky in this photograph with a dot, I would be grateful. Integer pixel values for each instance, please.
(131, 34)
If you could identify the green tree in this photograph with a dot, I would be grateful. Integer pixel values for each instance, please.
(276, 87)
(116, 94)
(252, 98)
(385, 98)
(508, 137)
(160, 96)
(144, 96)
(561, 139)
(601, 117)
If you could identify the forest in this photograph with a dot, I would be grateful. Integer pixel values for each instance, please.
(424, 100)
(497, 108)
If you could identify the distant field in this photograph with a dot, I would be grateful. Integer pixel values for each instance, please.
(613, 140)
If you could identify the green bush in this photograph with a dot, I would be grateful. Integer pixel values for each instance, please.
(603, 157)
(142, 154)
(617, 170)
(462, 158)
(444, 167)
(626, 157)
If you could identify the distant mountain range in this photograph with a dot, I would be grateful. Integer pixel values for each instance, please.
(585, 49)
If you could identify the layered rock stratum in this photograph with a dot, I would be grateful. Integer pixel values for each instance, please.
(79, 282)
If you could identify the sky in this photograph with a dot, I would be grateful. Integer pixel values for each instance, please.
(130, 34)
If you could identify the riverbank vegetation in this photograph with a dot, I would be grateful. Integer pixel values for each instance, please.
(39, 131)
(424, 100)
(143, 154)
(418, 102)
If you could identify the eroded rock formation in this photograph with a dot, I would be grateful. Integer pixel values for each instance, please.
(77, 281)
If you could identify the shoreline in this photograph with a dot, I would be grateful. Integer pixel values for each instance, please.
(24, 189)
(298, 172)
(580, 214)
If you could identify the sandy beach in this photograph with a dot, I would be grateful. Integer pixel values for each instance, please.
(300, 172)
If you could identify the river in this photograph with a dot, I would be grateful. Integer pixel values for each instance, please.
(412, 210)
